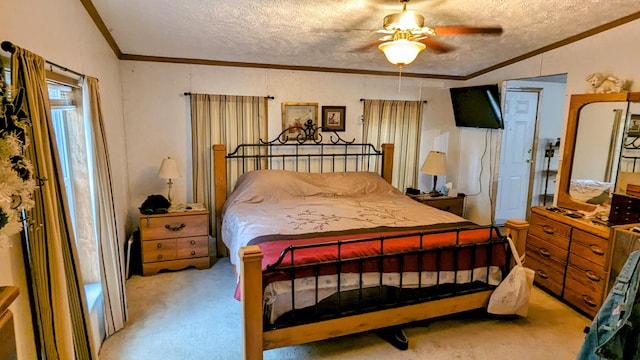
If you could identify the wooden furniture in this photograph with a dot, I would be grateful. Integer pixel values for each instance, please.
(624, 240)
(569, 257)
(257, 338)
(454, 205)
(578, 101)
(174, 241)
(7, 333)
(624, 209)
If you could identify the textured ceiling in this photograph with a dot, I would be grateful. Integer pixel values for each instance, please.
(325, 33)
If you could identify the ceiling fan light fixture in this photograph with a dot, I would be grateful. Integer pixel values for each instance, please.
(401, 51)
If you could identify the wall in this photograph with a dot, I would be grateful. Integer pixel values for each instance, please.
(609, 52)
(158, 125)
(62, 32)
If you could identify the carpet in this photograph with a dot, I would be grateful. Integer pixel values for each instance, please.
(191, 314)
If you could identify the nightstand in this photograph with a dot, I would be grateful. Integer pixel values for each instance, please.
(174, 241)
(452, 204)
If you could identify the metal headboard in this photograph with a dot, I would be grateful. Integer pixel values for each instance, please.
(302, 148)
(299, 148)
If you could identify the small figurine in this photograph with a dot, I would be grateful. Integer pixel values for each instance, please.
(600, 84)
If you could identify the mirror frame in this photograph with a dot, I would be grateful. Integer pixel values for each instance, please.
(577, 102)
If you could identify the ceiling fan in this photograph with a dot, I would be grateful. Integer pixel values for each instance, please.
(406, 36)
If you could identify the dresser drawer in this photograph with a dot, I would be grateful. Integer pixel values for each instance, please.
(586, 273)
(193, 247)
(589, 246)
(546, 250)
(549, 273)
(159, 250)
(550, 230)
(581, 292)
(171, 226)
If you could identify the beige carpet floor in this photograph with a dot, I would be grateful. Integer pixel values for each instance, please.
(191, 314)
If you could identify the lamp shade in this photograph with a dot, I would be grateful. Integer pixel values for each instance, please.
(169, 169)
(435, 163)
(401, 51)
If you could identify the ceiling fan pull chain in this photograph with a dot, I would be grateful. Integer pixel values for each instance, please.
(399, 79)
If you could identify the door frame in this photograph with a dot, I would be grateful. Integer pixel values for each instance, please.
(534, 147)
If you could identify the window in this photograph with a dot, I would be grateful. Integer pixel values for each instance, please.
(73, 143)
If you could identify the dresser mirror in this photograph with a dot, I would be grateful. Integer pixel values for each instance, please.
(594, 138)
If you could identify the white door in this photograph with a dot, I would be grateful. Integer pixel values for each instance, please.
(516, 154)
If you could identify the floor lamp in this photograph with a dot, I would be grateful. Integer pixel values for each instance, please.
(435, 164)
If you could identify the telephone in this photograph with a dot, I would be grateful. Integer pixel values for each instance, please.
(413, 191)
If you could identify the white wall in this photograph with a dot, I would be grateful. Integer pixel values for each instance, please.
(61, 31)
(158, 126)
(609, 52)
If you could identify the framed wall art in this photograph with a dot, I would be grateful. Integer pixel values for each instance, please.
(333, 118)
(296, 115)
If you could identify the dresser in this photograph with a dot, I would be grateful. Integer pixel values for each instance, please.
(7, 333)
(569, 256)
(174, 241)
(452, 204)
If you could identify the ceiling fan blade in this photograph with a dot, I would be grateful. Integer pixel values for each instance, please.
(465, 30)
(436, 45)
(368, 46)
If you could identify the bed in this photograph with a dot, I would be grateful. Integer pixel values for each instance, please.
(347, 252)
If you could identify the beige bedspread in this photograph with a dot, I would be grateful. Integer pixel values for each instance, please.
(267, 202)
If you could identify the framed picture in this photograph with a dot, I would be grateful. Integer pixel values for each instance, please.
(634, 125)
(295, 116)
(333, 118)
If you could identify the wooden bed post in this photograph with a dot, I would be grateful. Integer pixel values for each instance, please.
(518, 231)
(220, 186)
(251, 294)
(387, 162)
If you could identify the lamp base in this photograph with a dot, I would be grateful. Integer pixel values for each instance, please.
(434, 193)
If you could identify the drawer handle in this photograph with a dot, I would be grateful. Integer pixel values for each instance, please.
(193, 242)
(175, 228)
(596, 250)
(548, 229)
(544, 252)
(193, 252)
(589, 301)
(542, 274)
(592, 276)
(159, 246)
(159, 257)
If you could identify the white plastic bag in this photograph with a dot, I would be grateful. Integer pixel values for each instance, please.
(512, 294)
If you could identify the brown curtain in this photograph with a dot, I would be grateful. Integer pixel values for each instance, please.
(397, 122)
(222, 119)
(60, 307)
(110, 246)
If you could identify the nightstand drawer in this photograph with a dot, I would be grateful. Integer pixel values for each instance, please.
(159, 250)
(193, 247)
(162, 227)
(454, 205)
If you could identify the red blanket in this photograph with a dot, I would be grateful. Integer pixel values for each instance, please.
(338, 246)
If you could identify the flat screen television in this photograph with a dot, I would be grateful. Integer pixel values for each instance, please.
(477, 106)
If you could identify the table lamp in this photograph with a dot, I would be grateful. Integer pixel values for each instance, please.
(169, 170)
(435, 164)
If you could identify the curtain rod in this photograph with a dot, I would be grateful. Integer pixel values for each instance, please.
(9, 47)
(268, 97)
(423, 101)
